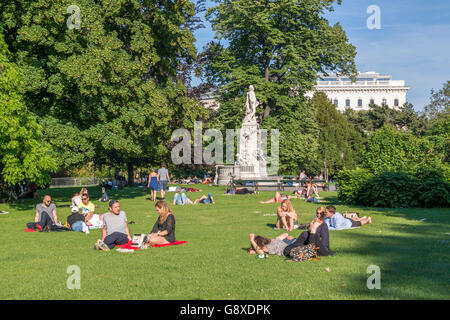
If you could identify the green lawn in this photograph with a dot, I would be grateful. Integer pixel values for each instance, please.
(413, 255)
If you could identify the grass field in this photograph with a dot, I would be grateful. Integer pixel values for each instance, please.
(413, 255)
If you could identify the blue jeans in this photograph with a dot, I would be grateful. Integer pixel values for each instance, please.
(78, 226)
(180, 199)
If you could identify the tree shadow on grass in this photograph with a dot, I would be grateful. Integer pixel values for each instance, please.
(63, 196)
(414, 264)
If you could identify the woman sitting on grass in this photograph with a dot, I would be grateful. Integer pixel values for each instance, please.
(286, 216)
(261, 245)
(278, 198)
(317, 233)
(163, 231)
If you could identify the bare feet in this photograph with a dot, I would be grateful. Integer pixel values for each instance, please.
(369, 220)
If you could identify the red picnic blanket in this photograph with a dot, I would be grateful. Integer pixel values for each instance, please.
(128, 245)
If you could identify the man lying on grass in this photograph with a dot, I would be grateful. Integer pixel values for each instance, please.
(337, 221)
(115, 229)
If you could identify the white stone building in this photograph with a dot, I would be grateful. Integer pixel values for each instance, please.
(370, 87)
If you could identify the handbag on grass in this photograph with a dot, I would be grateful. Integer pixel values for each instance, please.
(303, 253)
(351, 215)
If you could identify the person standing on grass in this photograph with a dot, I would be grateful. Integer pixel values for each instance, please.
(45, 215)
(153, 184)
(163, 178)
(115, 230)
(163, 231)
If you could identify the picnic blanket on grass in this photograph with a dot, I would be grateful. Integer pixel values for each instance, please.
(128, 245)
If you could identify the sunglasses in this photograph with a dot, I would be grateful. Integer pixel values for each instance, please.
(84, 198)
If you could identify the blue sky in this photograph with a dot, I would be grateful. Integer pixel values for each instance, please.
(413, 43)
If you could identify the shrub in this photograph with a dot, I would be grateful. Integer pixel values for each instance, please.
(350, 184)
(434, 187)
(389, 189)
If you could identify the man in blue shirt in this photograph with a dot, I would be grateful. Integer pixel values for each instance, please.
(337, 221)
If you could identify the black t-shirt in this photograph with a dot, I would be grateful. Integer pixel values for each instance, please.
(168, 225)
(74, 217)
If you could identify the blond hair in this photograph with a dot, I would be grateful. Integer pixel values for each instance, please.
(165, 210)
(288, 203)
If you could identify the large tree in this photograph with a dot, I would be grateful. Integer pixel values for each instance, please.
(340, 145)
(23, 155)
(114, 78)
(279, 47)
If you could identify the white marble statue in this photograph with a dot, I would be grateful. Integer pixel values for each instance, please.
(250, 106)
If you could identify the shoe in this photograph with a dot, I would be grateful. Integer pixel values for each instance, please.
(102, 246)
(47, 228)
(85, 228)
(96, 247)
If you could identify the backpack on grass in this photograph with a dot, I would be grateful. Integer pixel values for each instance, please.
(303, 253)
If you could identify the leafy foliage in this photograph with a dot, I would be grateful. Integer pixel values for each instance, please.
(278, 47)
(23, 155)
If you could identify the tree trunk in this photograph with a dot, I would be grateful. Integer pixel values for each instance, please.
(130, 174)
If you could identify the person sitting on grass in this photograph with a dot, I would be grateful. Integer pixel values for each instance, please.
(311, 198)
(205, 199)
(86, 207)
(45, 216)
(337, 221)
(115, 229)
(317, 233)
(286, 216)
(261, 245)
(104, 197)
(76, 199)
(76, 221)
(310, 188)
(163, 231)
(278, 198)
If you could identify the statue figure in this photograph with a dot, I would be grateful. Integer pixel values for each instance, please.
(250, 106)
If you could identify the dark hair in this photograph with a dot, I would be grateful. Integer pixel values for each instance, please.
(112, 202)
(261, 241)
(331, 209)
(85, 195)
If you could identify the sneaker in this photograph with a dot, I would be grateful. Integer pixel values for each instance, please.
(295, 227)
(85, 228)
(96, 247)
(102, 246)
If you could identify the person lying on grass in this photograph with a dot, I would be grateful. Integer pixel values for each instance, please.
(286, 216)
(278, 198)
(181, 199)
(231, 192)
(163, 231)
(115, 229)
(261, 245)
(205, 199)
(337, 221)
(317, 233)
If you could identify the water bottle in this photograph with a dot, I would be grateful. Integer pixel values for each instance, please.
(261, 256)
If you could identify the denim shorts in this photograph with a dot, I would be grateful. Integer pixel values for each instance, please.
(163, 185)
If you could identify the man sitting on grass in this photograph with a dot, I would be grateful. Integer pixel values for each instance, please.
(115, 230)
(45, 216)
(337, 221)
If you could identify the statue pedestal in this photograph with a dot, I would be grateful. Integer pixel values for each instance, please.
(252, 164)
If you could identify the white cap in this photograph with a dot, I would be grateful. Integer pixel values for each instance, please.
(74, 209)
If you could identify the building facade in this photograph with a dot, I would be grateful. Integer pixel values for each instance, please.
(370, 87)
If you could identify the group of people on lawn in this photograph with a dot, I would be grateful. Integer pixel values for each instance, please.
(114, 223)
(115, 229)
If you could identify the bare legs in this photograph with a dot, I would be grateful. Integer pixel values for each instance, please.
(286, 220)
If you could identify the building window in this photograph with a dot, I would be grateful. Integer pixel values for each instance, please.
(336, 103)
(396, 102)
(372, 101)
(384, 101)
(360, 103)
(347, 103)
